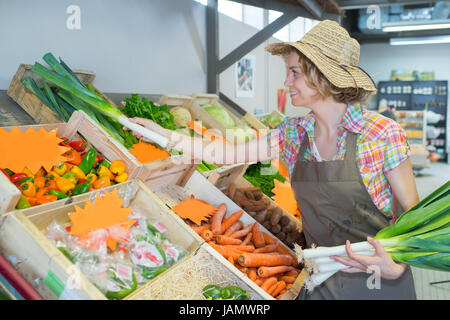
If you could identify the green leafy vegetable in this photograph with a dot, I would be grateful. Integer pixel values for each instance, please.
(262, 175)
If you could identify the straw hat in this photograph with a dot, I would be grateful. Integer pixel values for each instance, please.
(333, 51)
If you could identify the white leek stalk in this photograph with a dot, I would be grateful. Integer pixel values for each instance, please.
(150, 135)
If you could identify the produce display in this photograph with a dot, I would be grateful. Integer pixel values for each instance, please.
(259, 256)
(83, 171)
(215, 292)
(419, 237)
(271, 217)
(142, 253)
(262, 175)
(271, 120)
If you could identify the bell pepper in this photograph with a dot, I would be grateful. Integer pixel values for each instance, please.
(78, 145)
(81, 188)
(51, 185)
(104, 163)
(17, 177)
(52, 176)
(42, 192)
(64, 184)
(46, 199)
(65, 142)
(40, 173)
(94, 171)
(60, 169)
(104, 171)
(121, 177)
(28, 188)
(102, 182)
(32, 200)
(23, 203)
(77, 172)
(26, 179)
(39, 182)
(58, 194)
(8, 172)
(88, 161)
(91, 177)
(28, 172)
(117, 167)
(100, 158)
(73, 157)
(71, 177)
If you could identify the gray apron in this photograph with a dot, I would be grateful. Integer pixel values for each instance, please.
(336, 207)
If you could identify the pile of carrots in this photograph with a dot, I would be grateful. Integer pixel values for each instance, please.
(257, 254)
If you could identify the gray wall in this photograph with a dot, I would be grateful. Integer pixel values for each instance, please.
(132, 45)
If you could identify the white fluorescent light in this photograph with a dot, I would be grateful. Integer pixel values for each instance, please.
(419, 40)
(416, 25)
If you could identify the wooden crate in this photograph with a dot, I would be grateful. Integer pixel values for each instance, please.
(79, 127)
(201, 188)
(23, 239)
(29, 102)
(224, 176)
(274, 112)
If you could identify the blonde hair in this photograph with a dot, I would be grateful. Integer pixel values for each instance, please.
(316, 80)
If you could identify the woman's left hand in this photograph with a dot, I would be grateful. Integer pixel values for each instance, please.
(381, 261)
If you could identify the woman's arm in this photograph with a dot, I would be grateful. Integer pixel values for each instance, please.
(401, 180)
(214, 151)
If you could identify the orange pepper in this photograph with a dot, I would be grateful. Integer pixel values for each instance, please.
(73, 157)
(102, 182)
(39, 181)
(32, 200)
(69, 166)
(41, 192)
(51, 185)
(46, 199)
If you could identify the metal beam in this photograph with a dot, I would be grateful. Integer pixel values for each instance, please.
(312, 7)
(361, 4)
(277, 6)
(212, 46)
(254, 41)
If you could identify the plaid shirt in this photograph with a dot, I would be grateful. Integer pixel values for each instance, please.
(381, 146)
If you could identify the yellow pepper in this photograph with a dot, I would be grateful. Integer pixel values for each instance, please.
(102, 182)
(71, 177)
(28, 189)
(64, 184)
(121, 177)
(60, 169)
(77, 172)
(52, 175)
(28, 172)
(104, 171)
(91, 177)
(117, 167)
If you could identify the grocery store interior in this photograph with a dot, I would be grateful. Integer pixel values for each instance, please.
(193, 54)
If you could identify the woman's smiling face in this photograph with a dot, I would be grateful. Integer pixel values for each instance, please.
(301, 94)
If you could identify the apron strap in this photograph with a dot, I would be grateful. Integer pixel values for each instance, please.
(350, 146)
(301, 152)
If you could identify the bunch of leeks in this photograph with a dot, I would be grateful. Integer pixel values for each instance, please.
(420, 237)
(83, 97)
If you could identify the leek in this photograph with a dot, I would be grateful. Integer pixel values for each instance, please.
(420, 238)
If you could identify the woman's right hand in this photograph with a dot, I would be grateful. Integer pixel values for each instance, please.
(149, 124)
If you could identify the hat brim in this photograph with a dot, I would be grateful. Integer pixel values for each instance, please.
(340, 75)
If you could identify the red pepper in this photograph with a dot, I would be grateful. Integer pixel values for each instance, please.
(17, 177)
(7, 175)
(100, 158)
(68, 228)
(82, 181)
(78, 145)
(65, 142)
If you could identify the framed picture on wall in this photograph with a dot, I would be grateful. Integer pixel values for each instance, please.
(245, 75)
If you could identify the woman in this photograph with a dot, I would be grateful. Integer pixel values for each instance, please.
(345, 163)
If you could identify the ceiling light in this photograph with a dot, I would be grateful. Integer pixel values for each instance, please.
(419, 40)
(416, 25)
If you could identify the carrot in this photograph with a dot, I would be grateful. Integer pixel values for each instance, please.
(206, 234)
(199, 229)
(267, 248)
(259, 282)
(248, 259)
(242, 233)
(220, 239)
(244, 270)
(288, 279)
(231, 260)
(280, 286)
(234, 217)
(280, 295)
(292, 273)
(216, 219)
(252, 274)
(227, 252)
(268, 239)
(258, 236)
(234, 227)
(244, 248)
(289, 286)
(248, 238)
(283, 250)
(269, 282)
(272, 288)
(265, 272)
